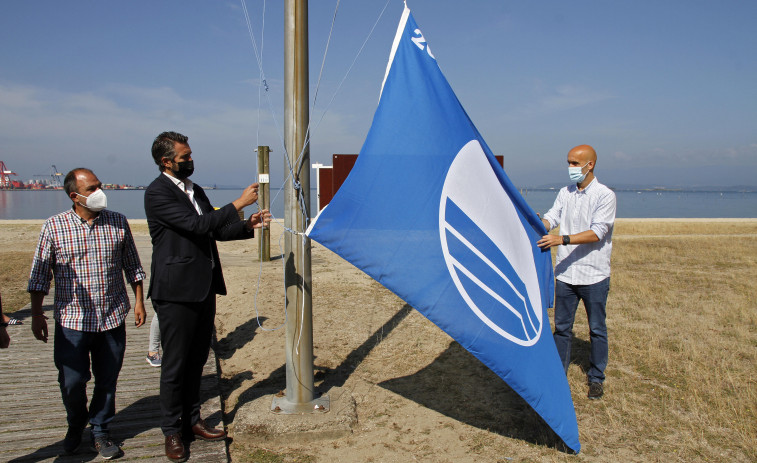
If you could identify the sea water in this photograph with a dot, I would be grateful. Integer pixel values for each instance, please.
(40, 204)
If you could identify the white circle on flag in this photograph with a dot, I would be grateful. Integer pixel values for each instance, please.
(486, 249)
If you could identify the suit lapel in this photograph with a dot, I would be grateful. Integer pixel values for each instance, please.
(202, 199)
(181, 195)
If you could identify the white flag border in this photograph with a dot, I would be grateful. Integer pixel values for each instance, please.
(395, 45)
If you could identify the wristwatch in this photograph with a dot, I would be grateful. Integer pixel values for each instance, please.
(565, 239)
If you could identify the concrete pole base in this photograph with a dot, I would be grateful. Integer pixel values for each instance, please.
(257, 423)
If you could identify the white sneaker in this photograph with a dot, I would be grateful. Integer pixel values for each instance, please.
(154, 360)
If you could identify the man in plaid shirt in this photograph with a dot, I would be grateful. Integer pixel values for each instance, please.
(85, 249)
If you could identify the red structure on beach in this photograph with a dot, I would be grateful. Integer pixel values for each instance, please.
(330, 178)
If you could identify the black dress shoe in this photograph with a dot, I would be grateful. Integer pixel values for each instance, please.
(175, 450)
(204, 432)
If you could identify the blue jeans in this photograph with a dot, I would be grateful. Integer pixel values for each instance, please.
(72, 350)
(595, 301)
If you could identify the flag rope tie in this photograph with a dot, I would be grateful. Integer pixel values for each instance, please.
(294, 232)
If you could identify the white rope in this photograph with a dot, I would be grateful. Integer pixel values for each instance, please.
(264, 84)
(360, 51)
(297, 186)
(317, 87)
(309, 130)
(303, 243)
(263, 87)
(325, 52)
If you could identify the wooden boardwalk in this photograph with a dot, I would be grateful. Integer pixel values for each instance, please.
(32, 417)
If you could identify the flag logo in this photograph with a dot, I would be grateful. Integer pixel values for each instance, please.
(495, 256)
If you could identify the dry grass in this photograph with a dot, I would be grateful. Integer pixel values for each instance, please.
(15, 263)
(14, 273)
(682, 315)
(649, 228)
(681, 381)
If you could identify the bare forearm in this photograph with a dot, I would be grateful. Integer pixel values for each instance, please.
(39, 320)
(137, 287)
(584, 237)
(139, 306)
(37, 297)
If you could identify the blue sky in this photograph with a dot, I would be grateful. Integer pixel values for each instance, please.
(664, 90)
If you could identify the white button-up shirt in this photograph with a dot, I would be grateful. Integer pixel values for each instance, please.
(187, 187)
(576, 211)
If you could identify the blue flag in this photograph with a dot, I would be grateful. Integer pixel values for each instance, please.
(429, 213)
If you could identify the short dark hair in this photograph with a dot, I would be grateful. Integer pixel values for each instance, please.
(70, 182)
(164, 146)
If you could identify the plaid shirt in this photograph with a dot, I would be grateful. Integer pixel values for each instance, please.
(87, 260)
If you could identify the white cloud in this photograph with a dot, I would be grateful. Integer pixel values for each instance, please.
(620, 156)
(566, 97)
(39, 126)
(558, 99)
(112, 128)
(17, 97)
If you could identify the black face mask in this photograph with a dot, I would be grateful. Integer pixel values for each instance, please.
(186, 168)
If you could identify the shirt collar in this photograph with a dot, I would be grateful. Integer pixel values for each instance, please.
(185, 185)
(586, 190)
(79, 219)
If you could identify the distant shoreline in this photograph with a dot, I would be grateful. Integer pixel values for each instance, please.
(646, 189)
(618, 220)
(631, 204)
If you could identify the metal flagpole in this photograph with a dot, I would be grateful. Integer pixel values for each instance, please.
(300, 394)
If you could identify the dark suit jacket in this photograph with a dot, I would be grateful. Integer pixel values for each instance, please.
(184, 242)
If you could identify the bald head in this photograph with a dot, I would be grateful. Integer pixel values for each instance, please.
(584, 153)
(70, 183)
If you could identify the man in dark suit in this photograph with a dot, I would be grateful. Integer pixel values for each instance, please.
(185, 278)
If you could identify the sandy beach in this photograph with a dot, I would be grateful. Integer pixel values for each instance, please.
(680, 384)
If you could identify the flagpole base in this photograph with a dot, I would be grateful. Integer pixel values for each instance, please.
(282, 406)
(256, 424)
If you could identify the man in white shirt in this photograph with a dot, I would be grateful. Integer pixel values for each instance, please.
(585, 213)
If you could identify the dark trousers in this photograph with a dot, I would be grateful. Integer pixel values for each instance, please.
(185, 332)
(71, 352)
(595, 301)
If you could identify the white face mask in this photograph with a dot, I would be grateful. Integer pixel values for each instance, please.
(576, 173)
(96, 201)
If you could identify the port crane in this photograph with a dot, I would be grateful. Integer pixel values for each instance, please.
(55, 176)
(5, 176)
